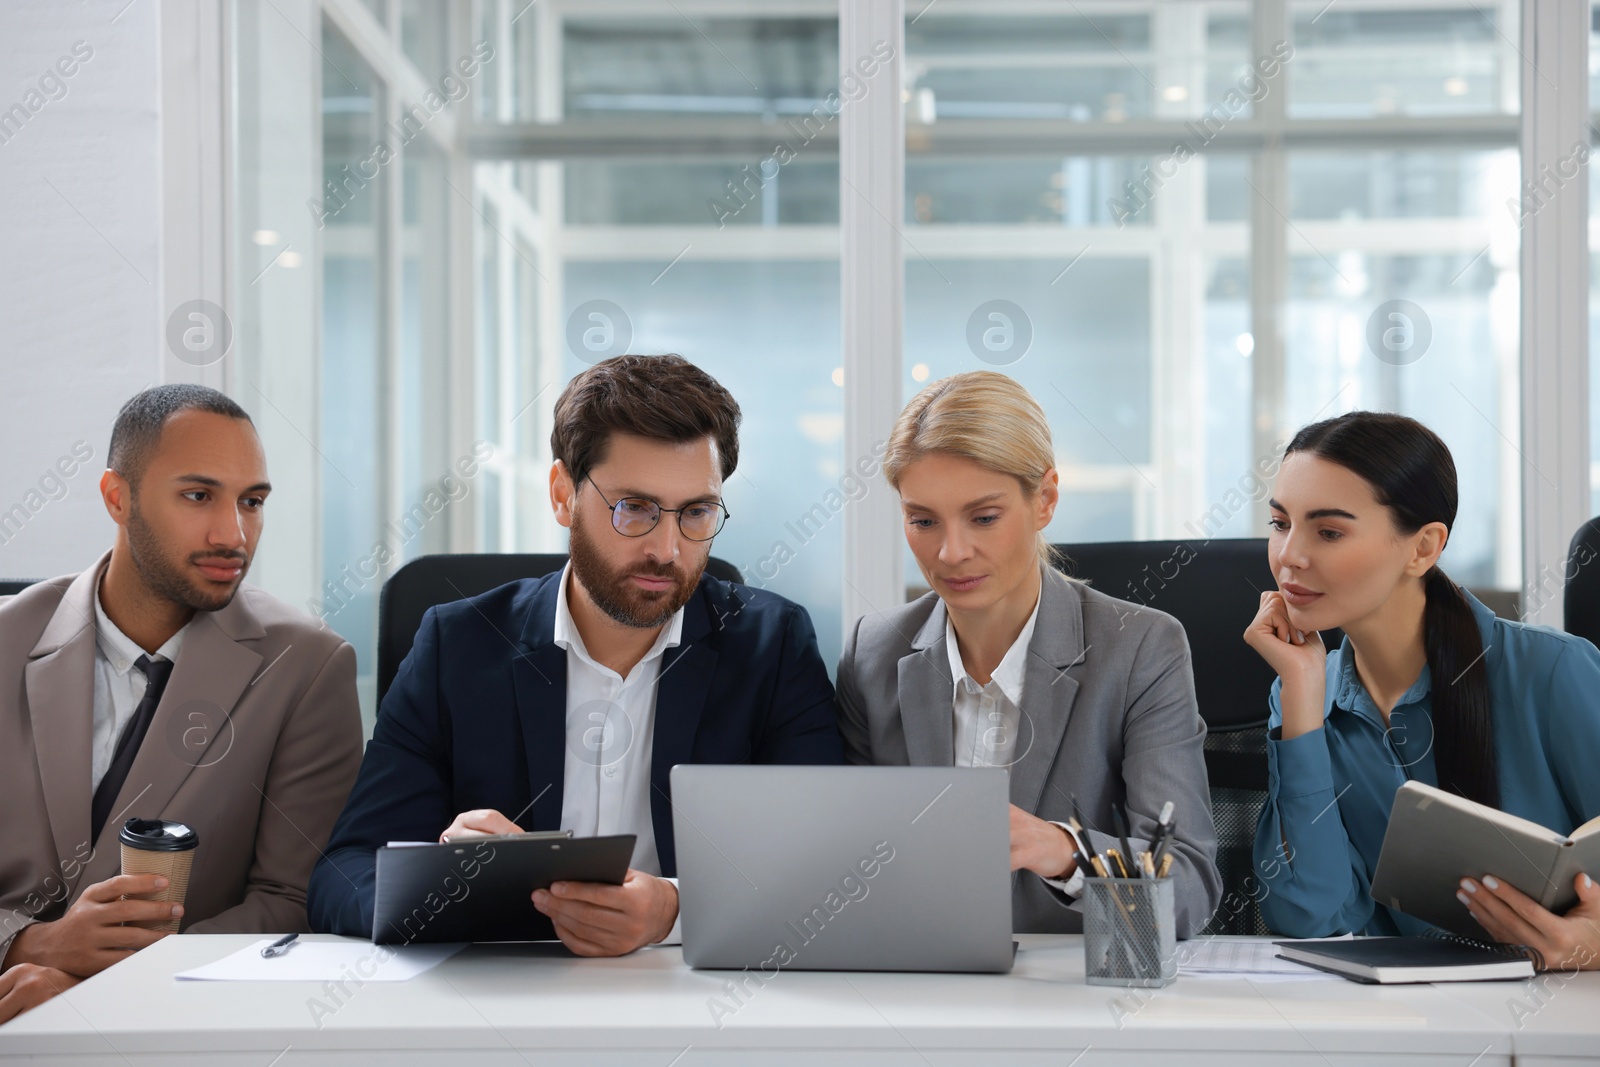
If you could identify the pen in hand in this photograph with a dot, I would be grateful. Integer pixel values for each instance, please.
(279, 947)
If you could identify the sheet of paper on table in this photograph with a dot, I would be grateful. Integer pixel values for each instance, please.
(1212, 957)
(319, 961)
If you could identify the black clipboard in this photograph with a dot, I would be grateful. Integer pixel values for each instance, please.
(478, 889)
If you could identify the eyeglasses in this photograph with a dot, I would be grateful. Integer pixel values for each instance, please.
(634, 516)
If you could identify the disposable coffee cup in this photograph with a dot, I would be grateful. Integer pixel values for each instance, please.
(157, 846)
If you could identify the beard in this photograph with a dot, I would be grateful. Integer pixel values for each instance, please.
(168, 580)
(618, 597)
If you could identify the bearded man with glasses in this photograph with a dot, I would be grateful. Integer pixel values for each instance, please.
(563, 702)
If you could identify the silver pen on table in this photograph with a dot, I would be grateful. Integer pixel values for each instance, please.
(279, 947)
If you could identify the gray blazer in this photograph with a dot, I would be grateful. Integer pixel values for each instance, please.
(1108, 715)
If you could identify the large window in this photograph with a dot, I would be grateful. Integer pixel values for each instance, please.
(628, 242)
(1116, 284)
(349, 302)
(1188, 227)
(1594, 270)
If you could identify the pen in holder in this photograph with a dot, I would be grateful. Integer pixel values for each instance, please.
(1129, 932)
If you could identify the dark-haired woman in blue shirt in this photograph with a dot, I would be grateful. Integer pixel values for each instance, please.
(1428, 685)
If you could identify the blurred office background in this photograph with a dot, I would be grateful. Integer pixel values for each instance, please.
(418, 219)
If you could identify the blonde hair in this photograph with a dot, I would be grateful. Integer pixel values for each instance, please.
(983, 416)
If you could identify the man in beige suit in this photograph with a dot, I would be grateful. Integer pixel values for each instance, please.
(152, 685)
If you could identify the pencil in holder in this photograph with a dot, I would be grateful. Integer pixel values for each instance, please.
(1129, 932)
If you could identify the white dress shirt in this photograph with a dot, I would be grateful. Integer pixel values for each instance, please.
(988, 717)
(118, 686)
(610, 735)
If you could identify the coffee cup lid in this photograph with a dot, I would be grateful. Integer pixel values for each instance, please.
(158, 835)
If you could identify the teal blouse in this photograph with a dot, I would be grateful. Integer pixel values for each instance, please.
(1329, 792)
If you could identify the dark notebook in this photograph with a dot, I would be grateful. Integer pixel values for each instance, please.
(481, 888)
(1388, 960)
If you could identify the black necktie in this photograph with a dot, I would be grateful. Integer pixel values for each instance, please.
(156, 673)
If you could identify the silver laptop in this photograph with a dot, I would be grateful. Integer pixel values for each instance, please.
(843, 868)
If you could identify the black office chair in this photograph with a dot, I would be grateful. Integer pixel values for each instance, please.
(1581, 606)
(439, 579)
(1214, 589)
(13, 586)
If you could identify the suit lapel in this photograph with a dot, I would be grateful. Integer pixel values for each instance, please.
(1049, 687)
(685, 682)
(681, 692)
(926, 689)
(541, 686)
(59, 680)
(194, 725)
(539, 676)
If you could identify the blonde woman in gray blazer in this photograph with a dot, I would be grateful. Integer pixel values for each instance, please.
(1008, 663)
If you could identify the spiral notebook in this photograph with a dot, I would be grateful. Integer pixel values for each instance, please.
(1437, 957)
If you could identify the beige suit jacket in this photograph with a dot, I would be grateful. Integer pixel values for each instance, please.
(255, 744)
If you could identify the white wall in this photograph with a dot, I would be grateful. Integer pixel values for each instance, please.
(80, 268)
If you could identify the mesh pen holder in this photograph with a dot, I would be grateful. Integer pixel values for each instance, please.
(1129, 932)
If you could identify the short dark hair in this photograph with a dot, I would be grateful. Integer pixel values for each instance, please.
(137, 431)
(664, 398)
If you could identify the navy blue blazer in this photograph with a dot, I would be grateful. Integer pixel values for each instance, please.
(476, 718)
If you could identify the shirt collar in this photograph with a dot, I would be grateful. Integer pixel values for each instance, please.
(120, 650)
(1353, 696)
(1009, 675)
(567, 635)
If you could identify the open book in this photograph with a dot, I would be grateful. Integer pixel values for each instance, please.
(1436, 838)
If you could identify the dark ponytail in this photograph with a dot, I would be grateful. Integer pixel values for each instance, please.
(1463, 739)
(1412, 474)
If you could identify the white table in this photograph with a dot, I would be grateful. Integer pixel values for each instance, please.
(535, 1004)
(1554, 1018)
